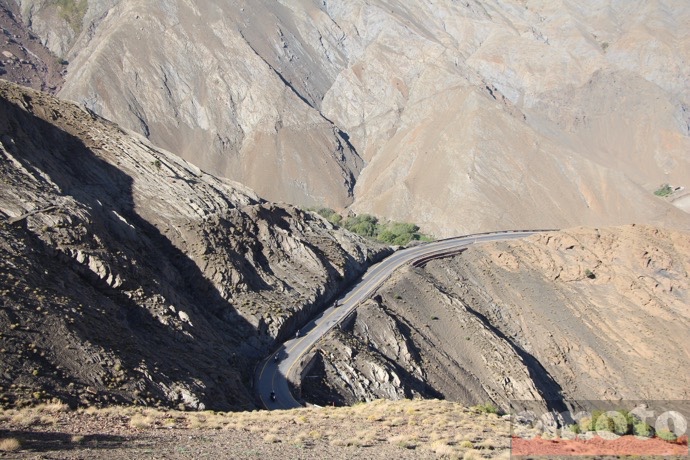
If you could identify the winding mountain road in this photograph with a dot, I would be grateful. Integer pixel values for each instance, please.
(272, 373)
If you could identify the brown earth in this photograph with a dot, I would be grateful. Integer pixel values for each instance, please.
(582, 314)
(129, 275)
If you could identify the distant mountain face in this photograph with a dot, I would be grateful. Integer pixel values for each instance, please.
(130, 276)
(459, 116)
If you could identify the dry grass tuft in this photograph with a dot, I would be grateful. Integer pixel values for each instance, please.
(404, 441)
(486, 444)
(76, 439)
(53, 408)
(355, 442)
(505, 455)
(9, 445)
(141, 421)
(397, 421)
(91, 410)
(169, 422)
(299, 438)
(25, 418)
(367, 437)
(472, 455)
(375, 418)
(271, 438)
(441, 448)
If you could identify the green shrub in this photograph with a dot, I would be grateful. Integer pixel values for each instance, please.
(589, 274)
(364, 224)
(643, 429)
(488, 408)
(329, 214)
(664, 190)
(667, 435)
(619, 422)
(574, 428)
(398, 233)
(604, 423)
(394, 233)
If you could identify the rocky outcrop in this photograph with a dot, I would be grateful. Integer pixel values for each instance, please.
(130, 275)
(519, 114)
(583, 314)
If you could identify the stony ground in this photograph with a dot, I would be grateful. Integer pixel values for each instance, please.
(378, 430)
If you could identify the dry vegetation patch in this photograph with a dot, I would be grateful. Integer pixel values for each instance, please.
(380, 429)
(9, 445)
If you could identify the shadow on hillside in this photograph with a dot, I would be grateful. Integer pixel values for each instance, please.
(548, 387)
(130, 330)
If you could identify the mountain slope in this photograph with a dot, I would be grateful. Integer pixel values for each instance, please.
(131, 276)
(581, 314)
(518, 113)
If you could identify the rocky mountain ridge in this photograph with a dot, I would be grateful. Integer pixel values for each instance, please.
(131, 276)
(519, 113)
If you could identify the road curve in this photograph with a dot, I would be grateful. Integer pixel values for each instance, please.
(271, 373)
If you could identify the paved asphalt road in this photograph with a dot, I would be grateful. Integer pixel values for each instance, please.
(272, 373)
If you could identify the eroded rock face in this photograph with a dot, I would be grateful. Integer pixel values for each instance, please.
(132, 276)
(519, 114)
(584, 314)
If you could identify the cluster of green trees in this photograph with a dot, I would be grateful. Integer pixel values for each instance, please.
(395, 233)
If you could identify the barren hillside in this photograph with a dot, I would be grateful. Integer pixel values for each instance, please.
(129, 275)
(520, 113)
(583, 314)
